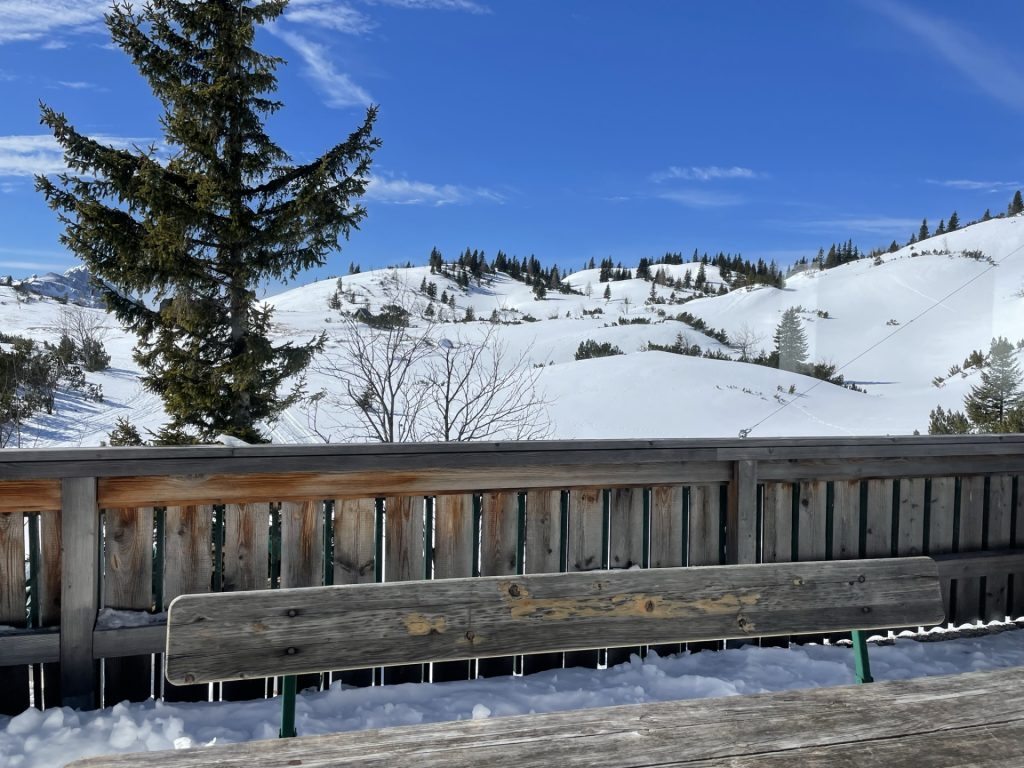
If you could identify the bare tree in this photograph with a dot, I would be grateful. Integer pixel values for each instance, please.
(747, 340)
(405, 384)
(87, 330)
(476, 390)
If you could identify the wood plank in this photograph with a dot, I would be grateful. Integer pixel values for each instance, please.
(911, 530)
(846, 520)
(128, 585)
(453, 558)
(741, 514)
(811, 521)
(355, 541)
(859, 721)
(246, 567)
(50, 545)
(1017, 578)
(586, 551)
(625, 547)
(544, 553)
(967, 565)
(1000, 521)
(778, 523)
(942, 529)
(80, 533)
(972, 517)
(669, 531)
(188, 566)
(878, 542)
(358, 625)
(29, 495)
(404, 560)
(14, 698)
(302, 556)
(705, 516)
(499, 556)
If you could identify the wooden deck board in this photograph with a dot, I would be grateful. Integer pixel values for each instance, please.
(961, 720)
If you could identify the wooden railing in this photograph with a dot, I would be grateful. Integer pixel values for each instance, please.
(86, 530)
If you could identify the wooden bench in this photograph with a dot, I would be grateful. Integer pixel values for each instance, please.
(243, 635)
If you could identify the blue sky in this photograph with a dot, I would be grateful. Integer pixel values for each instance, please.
(573, 129)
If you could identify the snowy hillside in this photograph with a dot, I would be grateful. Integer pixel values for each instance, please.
(860, 316)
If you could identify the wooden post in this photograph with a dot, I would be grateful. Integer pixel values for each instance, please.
(80, 530)
(741, 516)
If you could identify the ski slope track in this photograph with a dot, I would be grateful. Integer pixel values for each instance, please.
(870, 331)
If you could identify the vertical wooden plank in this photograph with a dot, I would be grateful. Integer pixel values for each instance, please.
(544, 548)
(80, 532)
(50, 544)
(188, 565)
(246, 567)
(1017, 579)
(1000, 520)
(355, 559)
(846, 520)
(942, 530)
(878, 542)
(972, 511)
(453, 558)
(669, 529)
(354, 541)
(704, 534)
(911, 532)
(741, 514)
(404, 560)
(777, 541)
(500, 533)
(14, 698)
(811, 521)
(586, 542)
(625, 545)
(128, 585)
(302, 556)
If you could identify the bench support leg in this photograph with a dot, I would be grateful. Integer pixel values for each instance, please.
(862, 667)
(287, 707)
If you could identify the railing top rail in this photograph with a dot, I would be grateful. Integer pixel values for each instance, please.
(20, 464)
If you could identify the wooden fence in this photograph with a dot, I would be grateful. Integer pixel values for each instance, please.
(94, 541)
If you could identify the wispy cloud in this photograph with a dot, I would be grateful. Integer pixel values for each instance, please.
(80, 85)
(991, 69)
(406, 192)
(338, 88)
(33, 154)
(704, 173)
(468, 6)
(971, 185)
(875, 225)
(700, 198)
(326, 14)
(33, 20)
(54, 45)
(33, 259)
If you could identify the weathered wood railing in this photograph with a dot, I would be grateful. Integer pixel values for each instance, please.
(83, 530)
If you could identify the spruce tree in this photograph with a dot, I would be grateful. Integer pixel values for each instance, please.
(181, 246)
(791, 341)
(994, 405)
(1016, 205)
(922, 233)
(954, 222)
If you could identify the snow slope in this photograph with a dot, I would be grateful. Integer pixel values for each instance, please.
(894, 324)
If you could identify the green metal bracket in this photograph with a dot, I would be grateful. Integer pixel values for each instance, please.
(861, 665)
(287, 707)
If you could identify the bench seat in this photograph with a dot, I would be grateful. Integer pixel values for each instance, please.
(974, 719)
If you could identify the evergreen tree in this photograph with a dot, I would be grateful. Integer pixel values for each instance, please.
(607, 292)
(954, 222)
(943, 422)
(1016, 205)
(922, 233)
(200, 233)
(994, 405)
(987, 215)
(791, 341)
(941, 229)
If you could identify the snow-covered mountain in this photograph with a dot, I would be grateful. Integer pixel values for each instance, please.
(74, 286)
(893, 325)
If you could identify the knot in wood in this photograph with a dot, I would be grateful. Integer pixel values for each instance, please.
(292, 651)
(292, 613)
(866, 609)
(862, 578)
(189, 678)
(514, 590)
(470, 636)
(649, 606)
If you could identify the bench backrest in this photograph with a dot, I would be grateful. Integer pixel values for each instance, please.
(239, 635)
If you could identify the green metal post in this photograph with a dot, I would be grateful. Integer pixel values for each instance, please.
(287, 707)
(861, 665)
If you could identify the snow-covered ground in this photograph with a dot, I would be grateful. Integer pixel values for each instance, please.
(53, 738)
(871, 307)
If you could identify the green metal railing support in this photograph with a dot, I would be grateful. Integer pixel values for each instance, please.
(287, 707)
(861, 665)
